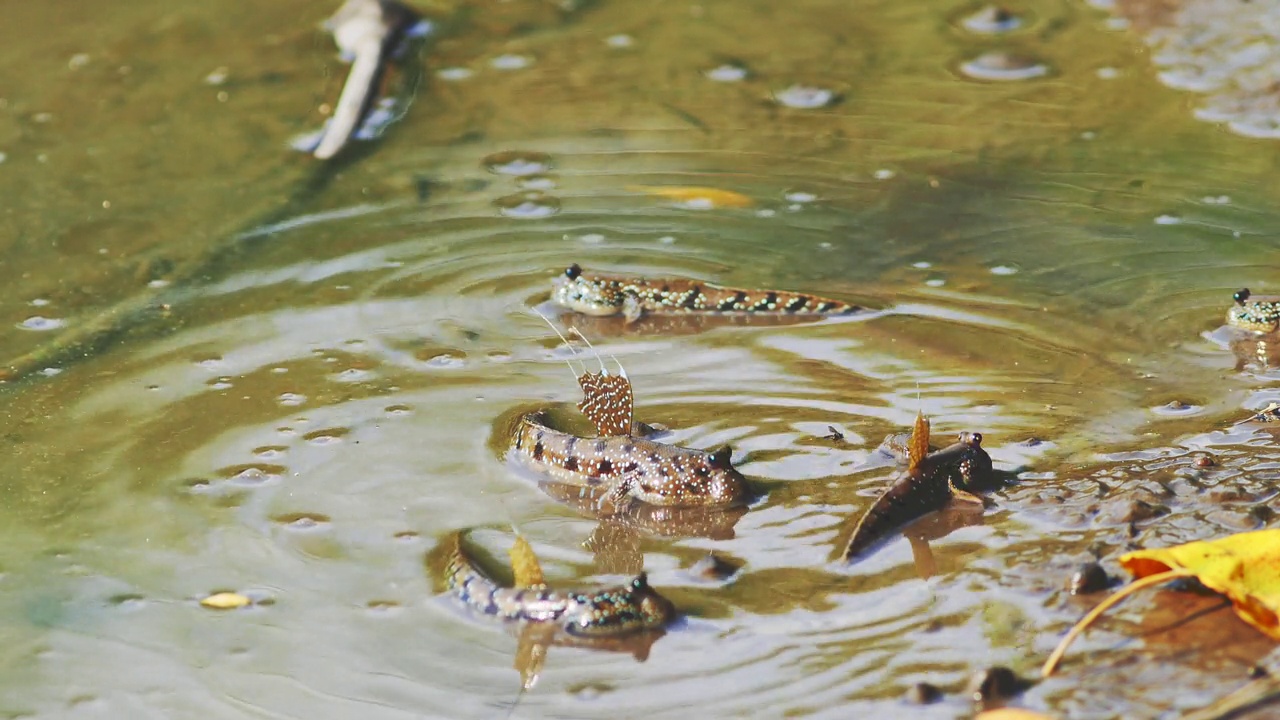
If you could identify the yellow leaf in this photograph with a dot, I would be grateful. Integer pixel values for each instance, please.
(698, 197)
(1244, 567)
(1011, 714)
(525, 565)
(225, 601)
(918, 446)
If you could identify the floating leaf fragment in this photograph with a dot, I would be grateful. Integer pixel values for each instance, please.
(1244, 567)
(524, 564)
(701, 198)
(1011, 714)
(225, 601)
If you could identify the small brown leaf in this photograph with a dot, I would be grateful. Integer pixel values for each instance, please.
(225, 601)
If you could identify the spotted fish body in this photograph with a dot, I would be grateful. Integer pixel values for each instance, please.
(631, 466)
(922, 489)
(635, 297)
(630, 608)
(1259, 313)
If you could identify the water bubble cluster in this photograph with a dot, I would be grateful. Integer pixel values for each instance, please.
(1003, 66)
(805, 97)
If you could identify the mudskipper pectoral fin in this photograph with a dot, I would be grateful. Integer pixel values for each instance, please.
(619, 494)
(632, 309)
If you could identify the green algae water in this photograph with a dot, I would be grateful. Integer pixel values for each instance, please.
(1049, 229)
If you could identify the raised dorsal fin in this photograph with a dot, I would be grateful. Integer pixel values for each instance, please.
(918, 445)
(607, 402)
(524, 564)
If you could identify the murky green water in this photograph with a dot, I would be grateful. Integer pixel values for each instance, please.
(312, 411)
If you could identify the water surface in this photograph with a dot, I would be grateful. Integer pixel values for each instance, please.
(304, 421)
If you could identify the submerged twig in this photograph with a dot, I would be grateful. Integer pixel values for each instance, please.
(1056, 657)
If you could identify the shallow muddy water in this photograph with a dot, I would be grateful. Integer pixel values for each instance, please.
(1049, 235)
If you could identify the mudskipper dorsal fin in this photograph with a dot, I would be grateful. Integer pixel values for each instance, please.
(918, 445)
(607, 400)
(525, 568)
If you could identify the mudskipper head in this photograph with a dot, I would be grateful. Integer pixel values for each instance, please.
(726, 486)
(588, 295)
(975, 463)
(1254, 312)
(633, 607)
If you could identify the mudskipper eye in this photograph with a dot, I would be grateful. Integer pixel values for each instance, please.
(573, 271)
(1241, 295)
(976, 438)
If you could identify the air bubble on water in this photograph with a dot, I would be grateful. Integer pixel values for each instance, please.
(1167, 219)
(991, 20)
(1216, 200)
(1108, 73)
(1003, 67)
(529, 205)
(536, 182)
(591, 239)
(1177, 408)
(883, 174)
(291, 399)
(253, 475)
(328, 436)
(303, 521)
(511, 61)
(727, 73)
(1003, 270)
(517, 162)
(41, 323)
(799, 196)
(447, 361)
(922, 265)
(270, 452)
(454, 74)
(621, 40)
(353, 375)
(667, 240)
(218, 76)
(935, 282)
(805, 97)
(766, 212)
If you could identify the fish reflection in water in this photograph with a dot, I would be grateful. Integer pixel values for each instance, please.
(615, 542)
(613, 326)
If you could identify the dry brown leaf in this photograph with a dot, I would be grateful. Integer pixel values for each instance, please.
(696, 196)
(1245, 567)
(1011, 714)
(225, 601)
